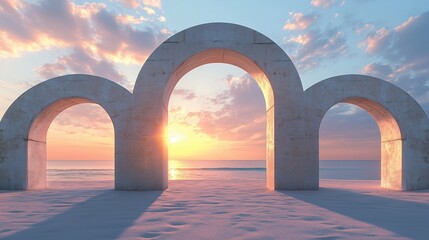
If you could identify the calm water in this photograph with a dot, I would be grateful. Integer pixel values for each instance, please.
(211, 170)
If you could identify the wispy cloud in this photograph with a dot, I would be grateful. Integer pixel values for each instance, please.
(404, 55)
(309, 49)
(153, 3)
(184, 93)
(63, 24)
(309, 44)
(80, 61)
(140, 3)
(240, 115)
(84, 118)
(322, 3)
(300, 21)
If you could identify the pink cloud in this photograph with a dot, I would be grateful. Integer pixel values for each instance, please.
(404, 53)
(364, 29)
(130, 19)
(152, 3)
(85, 118)
(139, 3)
(131, 3)
(184, 93)
(374, 42)
(62, 24)
(322, 3)
(80, 61)
(240, 115)
(300, 21)
(310, 48)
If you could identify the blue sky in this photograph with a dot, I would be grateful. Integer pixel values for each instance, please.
(112, 38)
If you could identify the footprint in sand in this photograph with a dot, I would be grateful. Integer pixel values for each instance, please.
(220, 212)
(340, 228)
(16, 211)
(312, 218)
(178, 223)
(150, 235)
(154, 220)
(168, 229)
(248, 228)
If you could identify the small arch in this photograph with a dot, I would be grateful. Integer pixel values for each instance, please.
(399, 117)
(25, 124)
(196, 46)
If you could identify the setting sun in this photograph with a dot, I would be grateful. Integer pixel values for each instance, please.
(175, 138)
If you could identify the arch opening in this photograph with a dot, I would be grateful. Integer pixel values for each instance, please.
(390, 138)
(236, 59)
(221, 55)
(225, 121)
(349, 145)
(37, 141)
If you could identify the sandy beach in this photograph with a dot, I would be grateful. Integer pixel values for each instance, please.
(191, 209)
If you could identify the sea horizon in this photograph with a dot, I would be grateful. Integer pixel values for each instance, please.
(89, 170)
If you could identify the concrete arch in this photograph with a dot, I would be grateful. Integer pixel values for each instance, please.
(24, 126)
(214, 43)
(402, 122)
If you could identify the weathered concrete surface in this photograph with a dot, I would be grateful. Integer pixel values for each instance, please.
(402, 122)
(216, 43)
(140, 119)
(25, 124)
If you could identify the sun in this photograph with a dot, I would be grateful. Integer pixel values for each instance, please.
(175, 139)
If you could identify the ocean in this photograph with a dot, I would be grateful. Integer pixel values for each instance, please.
(91, 170)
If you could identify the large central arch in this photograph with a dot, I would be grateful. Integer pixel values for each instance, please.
(214, 43)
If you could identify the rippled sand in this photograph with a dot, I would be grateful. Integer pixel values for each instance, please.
(204, 209)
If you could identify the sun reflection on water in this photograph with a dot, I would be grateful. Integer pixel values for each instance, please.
(172, 170)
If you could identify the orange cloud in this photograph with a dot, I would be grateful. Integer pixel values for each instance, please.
(375, 41)
(82, 132)
(62, 24)
(139, 3)
(131, 3)
(310, 48)
(149, 10)
(130, 19)
(152, 3)
(300, 21)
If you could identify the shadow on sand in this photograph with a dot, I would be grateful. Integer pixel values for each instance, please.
(104, 216)
(405, 218)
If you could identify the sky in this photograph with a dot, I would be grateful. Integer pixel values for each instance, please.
(216, 111)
